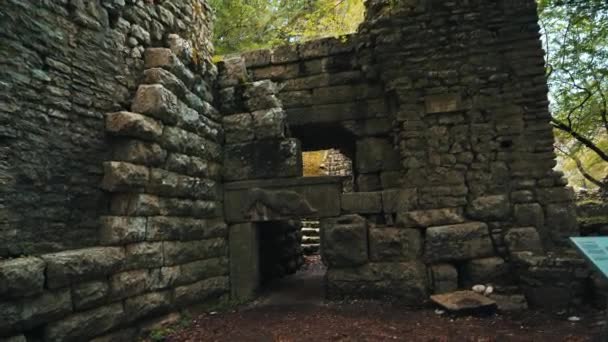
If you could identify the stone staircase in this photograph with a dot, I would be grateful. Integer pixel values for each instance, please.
(311, 240)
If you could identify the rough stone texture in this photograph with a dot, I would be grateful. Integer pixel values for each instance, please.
(486, 271)
(524, 240)
(21, 277)
(391, 244)
(405, 282)
(265, 159)
(344, 241)
(464, 301)
(458, 242)
(444, 278)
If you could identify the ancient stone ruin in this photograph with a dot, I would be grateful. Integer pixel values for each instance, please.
(138, 179)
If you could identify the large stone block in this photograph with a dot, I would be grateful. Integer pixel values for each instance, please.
(232, 72)
(203, 269)
(157, 102)
(85, 325)
(201, 291)
(263, 159)
(362, 202)
(458, 242)
(144, 255)
(428, 218)
(529, 214)
(391, 244)
(68, 267)
(405, 282)
(322, 193)
(181, 252)
(133, 125)
(147, 304)
(444, 278)
(344, 241)
(31, 312)
(524, 239)
(495, 207)
(135, 205)
(399, 200)
(561, 222)
(375, 154)
(21, 277)
(161, 228)
(238, 128)
(244, 261)
(124, 177)
(269, 123)
(486, 271)
(89, 295)
(118, 230)
(128, 284)
(139, 152)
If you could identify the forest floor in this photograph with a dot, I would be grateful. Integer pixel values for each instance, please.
(275, 317)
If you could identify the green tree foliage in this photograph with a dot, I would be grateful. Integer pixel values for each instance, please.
(243, 25)
(576, 38)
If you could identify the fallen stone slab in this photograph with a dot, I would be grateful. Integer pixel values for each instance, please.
(464, 302)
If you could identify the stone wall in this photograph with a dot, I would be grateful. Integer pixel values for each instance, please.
(110, 176)
(442, 106)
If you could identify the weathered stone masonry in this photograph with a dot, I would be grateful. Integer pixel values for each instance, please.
(110, 168)
(128, 191)
(443, 108)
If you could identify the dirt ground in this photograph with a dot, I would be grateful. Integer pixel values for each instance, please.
(366, 321)
(294, 310)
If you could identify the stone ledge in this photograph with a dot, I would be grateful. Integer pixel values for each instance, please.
(80, 265)
(21, 277)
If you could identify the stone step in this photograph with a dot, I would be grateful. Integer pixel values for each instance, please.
(311, 240)
(309, 249)
(464, 301)
(310, 232)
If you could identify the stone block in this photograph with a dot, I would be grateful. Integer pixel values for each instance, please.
(161, 228)
(128, 284)
(238, 128)
(144, 255)
(85, 325)
(124, 177)
(489, 208)
(201, 291)
(444, 278)
(264, 159)
(139, 152)
(530, 214)
(458, 242)
(177, 252)
(344, 241)
(127, 124)
(164, 277)
(17, 338)
(232, 72)
(119, 230)
(444, 103)
(147, 305)
(178, 140)
(555, 195)
(561, 220)
(524, 239)
(391, 244)
(129, 334)
(277, 72)
(362, 202)
(390, 179)
(244, 261)
(404, 282)
(368, 182)
(486, 271)
(428, 218)
(257, 58)
(269, 123)
(522, 196)
(135, 205)
(21, 277)
(376, 154)
(285, 54)
(157, 102)
(326, 47)
(203, 269)
(399, 200)
(90, 294)
(80, 265)
(31, 312)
